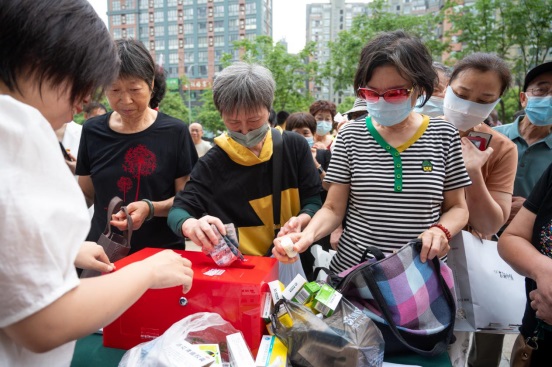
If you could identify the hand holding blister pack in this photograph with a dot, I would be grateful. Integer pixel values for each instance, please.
(226, 251)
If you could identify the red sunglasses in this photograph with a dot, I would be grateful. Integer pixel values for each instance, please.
(391, 96)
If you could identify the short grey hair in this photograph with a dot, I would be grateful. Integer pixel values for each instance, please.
(242, 86)
(437, 66)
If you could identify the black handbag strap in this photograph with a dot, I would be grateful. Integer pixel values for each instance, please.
(374, 251)
(277, 162)
(277, 155)
(441, 346)
(114, 206)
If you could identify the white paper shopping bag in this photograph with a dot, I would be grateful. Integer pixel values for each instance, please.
(490, 294)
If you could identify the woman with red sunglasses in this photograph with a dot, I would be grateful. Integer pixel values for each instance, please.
(397, 175)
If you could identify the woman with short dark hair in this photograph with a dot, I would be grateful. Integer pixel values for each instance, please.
(397, 175)
(135, 152)
(54, 54)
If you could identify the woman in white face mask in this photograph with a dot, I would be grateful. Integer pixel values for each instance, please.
(400, 173)
(476, 85)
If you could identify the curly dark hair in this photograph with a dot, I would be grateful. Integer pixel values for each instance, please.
(321, 105)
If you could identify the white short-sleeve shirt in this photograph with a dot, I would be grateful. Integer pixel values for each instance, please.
(43, 223)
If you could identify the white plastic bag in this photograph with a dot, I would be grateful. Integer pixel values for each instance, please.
(322, 259)
(199, 328)
(288, 272)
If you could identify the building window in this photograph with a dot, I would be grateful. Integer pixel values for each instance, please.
(219, 11)
(144, 18)
(189, 27)
(173, 58)
(189, 13)
(251, 23)
(116, 20)
(202, 56)
(219, 26)
(202, 41)
(233, 24)
(173, 43)
(159, 45)
(173, 30)
(250, 8)
(171, 15)
(144, 32)
(233, 9)
(188, 57)
(189, 42)
(158, 3)
(203, 70)
(160, 31)
(171, 2)
(116, 5)
(202, 27)
(159, 16)
(218, 55)
(130, 19)
(117, 33)
(144, 4)
(219, 40)
(201, 12)
(130, 33)
(233, 37)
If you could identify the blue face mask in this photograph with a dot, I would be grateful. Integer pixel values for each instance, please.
(539, 110)
(252, 138)
(310, 141)
(323, 127)
(432, 108)
(389, 114)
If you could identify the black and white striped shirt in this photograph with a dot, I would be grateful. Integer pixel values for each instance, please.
(379, 214)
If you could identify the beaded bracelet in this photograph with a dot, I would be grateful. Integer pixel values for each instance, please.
(442, 228)
(151, 209)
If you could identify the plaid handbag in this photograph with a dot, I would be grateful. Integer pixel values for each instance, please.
(411, 302)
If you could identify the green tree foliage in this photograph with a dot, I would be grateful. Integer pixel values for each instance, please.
(518, 31)
(207, 115)
(345, 51)
(291, 72)
(346, 104)
(173, 105)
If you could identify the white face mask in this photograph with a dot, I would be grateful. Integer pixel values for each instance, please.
(432, 108)
(464, 114)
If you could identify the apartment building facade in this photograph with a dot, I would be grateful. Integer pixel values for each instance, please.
(189, 37)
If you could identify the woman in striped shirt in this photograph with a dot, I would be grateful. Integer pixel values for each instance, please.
(401, 173)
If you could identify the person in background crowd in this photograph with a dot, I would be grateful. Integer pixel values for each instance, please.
(93, 109)
(476, 85)
(492, 120)
(44, 307)
(324, 113)
(135, 152)
(434, 106)
(526, 245)
(242, 159)
(272, 118)
(358, 111)
(396, 162)
(532, 133)
(202, 146)
(281, 118)
(69, 135)
(159, 88)
(305, 124)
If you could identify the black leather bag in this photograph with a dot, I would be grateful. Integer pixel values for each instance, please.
(116, 246)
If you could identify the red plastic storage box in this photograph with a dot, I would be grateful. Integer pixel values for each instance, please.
(235, 294)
